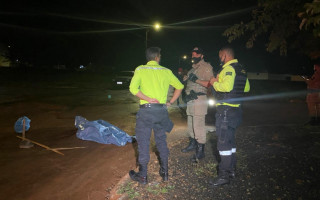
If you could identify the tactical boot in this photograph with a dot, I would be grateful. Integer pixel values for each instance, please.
(192, 145)
(222, 179)
(136, 176)
(164, 174)
(164, 170)
(199, 153)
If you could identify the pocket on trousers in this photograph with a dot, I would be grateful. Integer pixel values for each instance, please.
(222, 137)
(201, 105)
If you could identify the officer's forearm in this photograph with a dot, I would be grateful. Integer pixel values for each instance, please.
(146, 98)
(203, 83)
(142, 96)
(175, 96)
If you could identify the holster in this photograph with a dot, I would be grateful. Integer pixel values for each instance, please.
(191, 96)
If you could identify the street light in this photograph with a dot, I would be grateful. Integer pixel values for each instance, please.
(156, 27)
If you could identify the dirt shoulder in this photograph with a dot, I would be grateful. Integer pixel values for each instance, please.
(87, 173)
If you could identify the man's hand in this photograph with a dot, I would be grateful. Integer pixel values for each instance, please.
(193, 77)
(214, 79)
(185, 77)
(146, 98)
(153, 101)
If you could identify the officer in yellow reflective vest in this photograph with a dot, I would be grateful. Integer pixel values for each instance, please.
(151, 83)
(230, 84)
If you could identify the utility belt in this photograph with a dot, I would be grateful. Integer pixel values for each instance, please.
(153, 105)
(193, 95)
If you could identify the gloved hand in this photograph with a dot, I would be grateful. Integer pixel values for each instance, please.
(193, 77)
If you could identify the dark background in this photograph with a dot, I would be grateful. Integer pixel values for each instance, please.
(110, 35)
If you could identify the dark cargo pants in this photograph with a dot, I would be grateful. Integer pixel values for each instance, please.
(156, 119)
(227, 120)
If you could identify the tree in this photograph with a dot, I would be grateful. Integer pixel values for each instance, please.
(281, 22)
(311, 21)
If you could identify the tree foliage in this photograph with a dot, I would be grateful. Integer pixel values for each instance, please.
(283, 24)
(311, 22)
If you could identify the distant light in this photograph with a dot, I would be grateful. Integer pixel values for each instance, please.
(211, 102)
(9, 46)
(81, 67)
(157, 26)
(184, 57)
(17, 60)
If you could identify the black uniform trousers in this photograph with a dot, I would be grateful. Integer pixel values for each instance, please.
(227, 120)
(156, 119)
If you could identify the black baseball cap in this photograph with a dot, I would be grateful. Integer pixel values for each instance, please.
(197, 50)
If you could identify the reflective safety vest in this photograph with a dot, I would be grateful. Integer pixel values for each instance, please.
(238, 87)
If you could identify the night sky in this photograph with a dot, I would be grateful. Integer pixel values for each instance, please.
(112, 34)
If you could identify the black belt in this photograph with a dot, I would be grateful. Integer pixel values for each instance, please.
(152, 105)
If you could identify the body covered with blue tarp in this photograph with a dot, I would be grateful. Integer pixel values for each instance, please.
(101, 131)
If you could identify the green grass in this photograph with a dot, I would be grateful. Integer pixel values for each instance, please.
(208, 169)
(158, 190)
(129, 190)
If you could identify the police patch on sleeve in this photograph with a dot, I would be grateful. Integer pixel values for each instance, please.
(228, 73)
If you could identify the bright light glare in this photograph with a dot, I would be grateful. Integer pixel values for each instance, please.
(157, 26)
(184, 57)
(211, 102)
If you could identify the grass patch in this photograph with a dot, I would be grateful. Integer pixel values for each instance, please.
(128, 189)
(158, 189)
(208, 169)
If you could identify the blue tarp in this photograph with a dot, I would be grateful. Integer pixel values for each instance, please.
(18, 126)
(101, 131)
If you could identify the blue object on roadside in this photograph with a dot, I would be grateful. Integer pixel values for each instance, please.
(101, 131)
(18, 126)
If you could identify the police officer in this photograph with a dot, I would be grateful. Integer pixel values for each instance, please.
(151, 83)
(230, 84)
(196, 97)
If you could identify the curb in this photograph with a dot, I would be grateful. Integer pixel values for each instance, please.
(113, 193)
